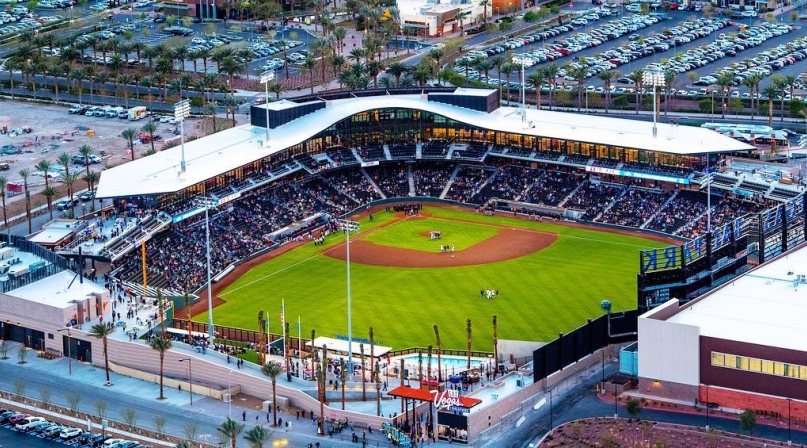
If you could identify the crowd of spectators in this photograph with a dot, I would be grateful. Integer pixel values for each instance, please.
(726, 210)
(685, 207)
(509, 182)
(467, 181)
(552, 188)
(593, 198)
(393, 180)
(431, 180)
(634, 207)
(353, 184)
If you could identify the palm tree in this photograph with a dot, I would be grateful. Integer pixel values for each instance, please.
(277, 88)
(70, 179)
(397, 69)
(24, 173)
(257, 436)
(439, 354)
(462, 15)
(309, 64)
(64, 161)
(468, 336)
(44, 167)
(358, 53)
(551, 74)
(725, 80)
(373, 69)
(537, 80)
(751, 82)
(3, 187)
(421, 74)
(162, 345)
(272, 370)
(636, 76)
(484, 65)
(579, 73)
(669, 82)
(484, 4)
(102, 331)
(86, 151)
(91, 179)
(507, 69)
(231, 429)
(607, 76)
(12, 65)
(150, 128)
(129, 134)
(770, 92)
(230, 68)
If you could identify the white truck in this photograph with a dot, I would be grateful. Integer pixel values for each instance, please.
(137, 113)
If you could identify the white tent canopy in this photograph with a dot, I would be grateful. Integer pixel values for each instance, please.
(339, 345)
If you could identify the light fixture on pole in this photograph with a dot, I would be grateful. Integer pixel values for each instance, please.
(69, 355)
(190, 378)
(182, 110)
(349, 226)
(266, 78)
(207, 203)
(654, 78)
(230, 392)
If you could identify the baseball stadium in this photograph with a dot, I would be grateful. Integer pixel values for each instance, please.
(526, 203)
(414, 219)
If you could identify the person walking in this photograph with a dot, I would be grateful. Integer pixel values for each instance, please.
(244, 415)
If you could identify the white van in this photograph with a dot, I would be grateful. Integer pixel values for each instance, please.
(28, 422)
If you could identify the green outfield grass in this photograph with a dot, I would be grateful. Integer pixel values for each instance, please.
(551, 291)
(411, 234)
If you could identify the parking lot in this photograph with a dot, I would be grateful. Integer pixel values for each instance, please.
(54, 131)
(676, 40)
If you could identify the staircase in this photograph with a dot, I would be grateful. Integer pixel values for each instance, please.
(372, 182)
(574, 192)
(611, 204)
(356, 155)
(411, 179)
(387, 154)
(419, 151)
(450, 182)
(653, 216)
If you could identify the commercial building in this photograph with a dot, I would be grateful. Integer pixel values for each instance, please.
(741, 346)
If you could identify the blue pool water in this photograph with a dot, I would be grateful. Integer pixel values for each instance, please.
(445, 361)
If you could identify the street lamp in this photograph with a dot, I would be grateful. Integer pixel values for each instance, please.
(230, 392)
(69, 354)
(349, 226)
(266, 78)
(654, 78)
(190, 378)
(182, 110)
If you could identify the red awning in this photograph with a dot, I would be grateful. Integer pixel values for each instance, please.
(425, 395)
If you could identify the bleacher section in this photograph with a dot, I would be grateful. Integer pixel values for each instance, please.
(687, 206)
(634, 207)
(466, 182)
(431, 179)
(551, 188)
(434, 149)
(372, 153)
(392, 179)
(403, 151)
(594, 198)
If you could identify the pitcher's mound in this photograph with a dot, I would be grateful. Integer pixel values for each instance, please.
(507, 244)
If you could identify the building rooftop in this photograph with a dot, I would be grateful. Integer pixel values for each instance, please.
(216, 154)
(766, 306)
(57, 290)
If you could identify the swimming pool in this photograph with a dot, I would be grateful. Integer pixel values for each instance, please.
(455, 362)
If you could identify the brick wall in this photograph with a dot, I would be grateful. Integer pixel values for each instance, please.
(735, 399)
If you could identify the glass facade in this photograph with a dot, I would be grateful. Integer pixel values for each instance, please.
(757, 365)
(387, 126)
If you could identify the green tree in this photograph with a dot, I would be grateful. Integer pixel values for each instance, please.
(796, 107)
(25, 173)
(705, 106)
(44, 167)
(162, 345)
(272, 370)
(230, 430)
(634, 407)
(129, 134)
(257, 436)
(531, 16)
(102, 331)
(150, 128)
(748, 421)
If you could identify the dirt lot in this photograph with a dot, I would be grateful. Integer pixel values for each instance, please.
(49, 121)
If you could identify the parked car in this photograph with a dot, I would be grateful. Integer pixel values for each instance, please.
(65, 203)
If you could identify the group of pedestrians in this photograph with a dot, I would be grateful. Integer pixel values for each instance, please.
(489, 293)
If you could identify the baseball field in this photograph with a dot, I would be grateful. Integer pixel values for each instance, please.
(549, 278)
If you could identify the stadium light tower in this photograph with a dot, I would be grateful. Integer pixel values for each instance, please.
(182, 110)
(654, 78)
(266, 78)
(349, 226)
(207, 203)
